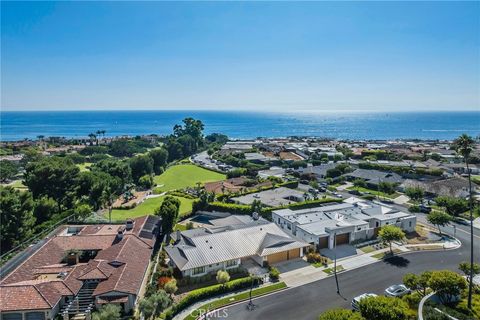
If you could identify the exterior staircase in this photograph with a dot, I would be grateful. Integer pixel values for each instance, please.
(82, 305)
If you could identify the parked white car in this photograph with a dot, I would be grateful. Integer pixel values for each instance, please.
(397, 290)
(357, 299)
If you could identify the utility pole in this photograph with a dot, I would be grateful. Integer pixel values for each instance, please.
(335, 261)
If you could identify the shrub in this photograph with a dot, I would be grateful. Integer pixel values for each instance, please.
(414, 208)
(274, 274)
(314, 257)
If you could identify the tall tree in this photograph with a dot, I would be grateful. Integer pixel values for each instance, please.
(391, 233)
(169, 212)
(107, 312)
(53, 177)
(17, 218)
(447, 285)
(383, 308)
(8, 170)
(45, 208)
(440, 219)
(464, 145)
(153, 305)
(160, 157)
(141, 165)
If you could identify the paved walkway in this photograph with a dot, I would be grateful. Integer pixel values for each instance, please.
(476, 223)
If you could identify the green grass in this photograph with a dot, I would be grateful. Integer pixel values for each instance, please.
(17, 184)
(236, 298)
(382, 255)
(367, 249)
(375, 192)
(330, 270)
(84, 166)
(185, 175)
(180, 227)
(148, 207)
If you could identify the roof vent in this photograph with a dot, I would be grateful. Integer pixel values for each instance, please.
(211, 247)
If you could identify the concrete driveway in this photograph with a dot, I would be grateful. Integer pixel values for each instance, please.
(343, 251)
(298, 272)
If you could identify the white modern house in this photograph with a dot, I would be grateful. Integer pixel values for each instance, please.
(345, 222)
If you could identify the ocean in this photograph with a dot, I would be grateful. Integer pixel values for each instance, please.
(237, 124)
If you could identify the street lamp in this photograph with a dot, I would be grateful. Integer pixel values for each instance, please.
(335, 261)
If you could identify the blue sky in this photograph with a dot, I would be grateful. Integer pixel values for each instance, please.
(277, 56)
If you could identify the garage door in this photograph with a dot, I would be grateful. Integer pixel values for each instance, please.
(293, 254)
(11, 316)
(277, 257)
(343, 238)
(35, 316)
(323, 242)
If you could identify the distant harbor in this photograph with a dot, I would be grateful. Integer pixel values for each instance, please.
(394, 125)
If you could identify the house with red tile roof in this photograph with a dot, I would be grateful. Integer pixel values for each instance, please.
(79, 269)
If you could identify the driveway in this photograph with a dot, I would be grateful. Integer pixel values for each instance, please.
(343, 251)
(298, 272)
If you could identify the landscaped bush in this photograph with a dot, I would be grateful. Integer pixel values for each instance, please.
(274, 274)
(229, 207)
(314, 257)
(414, 208)
(177, 193)
(207, 292)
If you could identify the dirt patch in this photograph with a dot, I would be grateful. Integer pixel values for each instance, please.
(137, 197)
(289, 156)
(420, 235)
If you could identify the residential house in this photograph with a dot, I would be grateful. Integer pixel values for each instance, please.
(273, 197)
(374, 177)
(79, 269)
(344, 223)
(230, 244)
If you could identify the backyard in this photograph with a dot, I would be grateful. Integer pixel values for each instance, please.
(185, 175)
(148, 207)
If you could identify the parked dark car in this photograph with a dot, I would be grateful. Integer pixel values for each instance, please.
(355, 192)
(424, 209)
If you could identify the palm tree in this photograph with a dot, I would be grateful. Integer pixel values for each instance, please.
(464, 146)
(92, 137)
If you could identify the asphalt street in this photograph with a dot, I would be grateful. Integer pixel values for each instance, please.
(308, 301)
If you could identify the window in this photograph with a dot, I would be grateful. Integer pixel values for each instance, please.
(230, 263)
(410, 223)
(278, 220)
(198, 270)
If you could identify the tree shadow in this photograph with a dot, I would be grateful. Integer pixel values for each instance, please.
(397, 261)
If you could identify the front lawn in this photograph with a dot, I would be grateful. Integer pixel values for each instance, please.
(148, 207)
(331, 270)
(387, 254)
(375, 192)
(185, 175)
(232, 299)
(367, 249)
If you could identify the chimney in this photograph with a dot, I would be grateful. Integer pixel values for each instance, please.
(129, 224)
(72, 258)
(179, 235)
(119, 235)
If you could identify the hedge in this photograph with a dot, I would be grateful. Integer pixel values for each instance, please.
(229, 207)
(208, 292)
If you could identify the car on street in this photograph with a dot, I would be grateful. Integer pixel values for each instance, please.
(397, 290)
(356, 300)
(424, 209)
